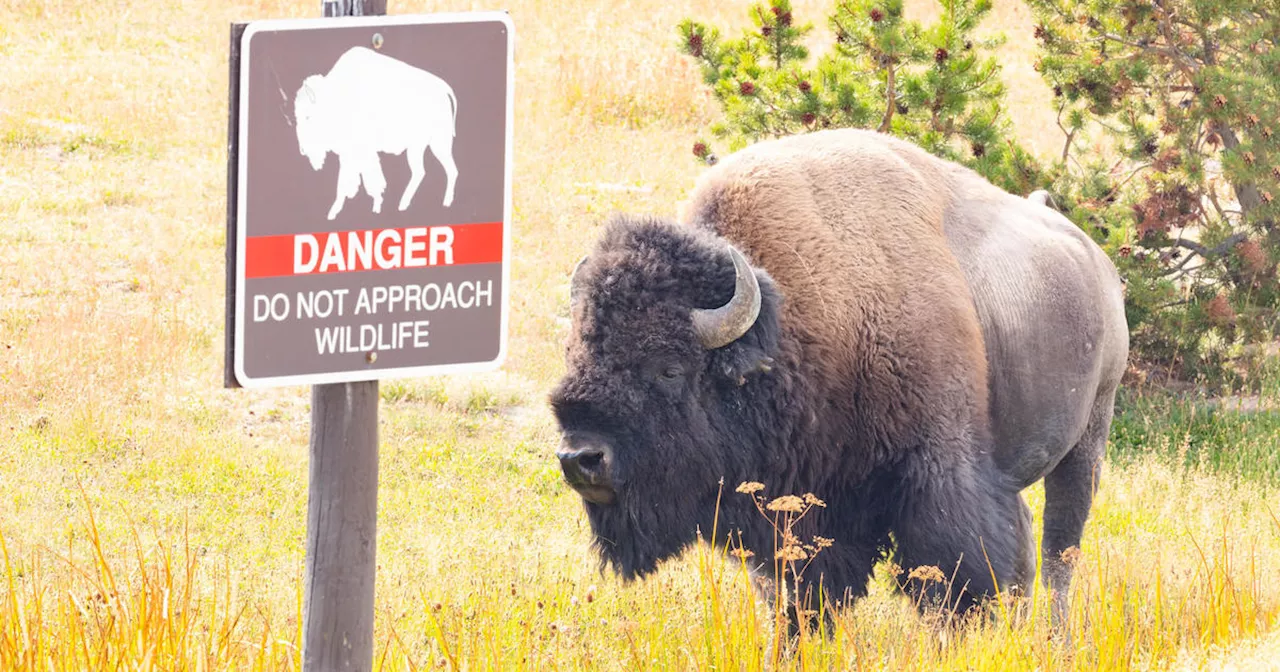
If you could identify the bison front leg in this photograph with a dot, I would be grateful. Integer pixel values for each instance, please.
(971, 527)
(348, 185)
(375, 183)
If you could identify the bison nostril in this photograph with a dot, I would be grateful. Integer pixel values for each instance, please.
(591, 461)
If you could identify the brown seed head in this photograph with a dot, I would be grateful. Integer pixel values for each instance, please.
(788, 503)
(790, 553)
(927, 574)
(812, 500)
(750, 487)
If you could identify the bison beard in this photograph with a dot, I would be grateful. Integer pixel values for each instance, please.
(668, 423)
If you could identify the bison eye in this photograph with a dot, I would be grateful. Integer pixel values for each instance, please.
(672, 372)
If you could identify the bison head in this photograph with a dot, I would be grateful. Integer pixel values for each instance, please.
(307, 106)
(668, 390)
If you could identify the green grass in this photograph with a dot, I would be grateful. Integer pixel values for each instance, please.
(1200, 433)
(124, 463)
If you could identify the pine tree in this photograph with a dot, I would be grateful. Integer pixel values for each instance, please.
(937, 85)
(1188, 91)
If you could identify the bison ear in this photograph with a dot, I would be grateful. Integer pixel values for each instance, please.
(753, 353)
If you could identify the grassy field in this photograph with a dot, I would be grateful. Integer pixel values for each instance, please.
(153, 520)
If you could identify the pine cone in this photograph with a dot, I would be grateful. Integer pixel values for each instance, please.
(766, 30)
(1252, 259)
(940, 55)
(747, 88)
(805, 86)
(695, 44)
(808, 118)
(876, 15)
(979, 150)
(700, 150)
(1219, 311)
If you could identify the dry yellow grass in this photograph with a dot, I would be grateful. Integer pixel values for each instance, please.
(112, 150)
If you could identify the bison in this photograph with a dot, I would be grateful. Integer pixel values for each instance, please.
(844, 314)
(370, 103)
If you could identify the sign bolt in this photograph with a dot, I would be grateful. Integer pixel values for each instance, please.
(377, 40)
(371, 357)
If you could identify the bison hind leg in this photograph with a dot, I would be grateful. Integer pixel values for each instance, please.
(442, 149)
(1068, 496)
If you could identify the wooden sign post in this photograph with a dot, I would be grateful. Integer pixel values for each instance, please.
(342, 503)
(403, 273)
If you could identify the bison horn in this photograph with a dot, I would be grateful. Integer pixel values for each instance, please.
(718, 327)
(575, 291)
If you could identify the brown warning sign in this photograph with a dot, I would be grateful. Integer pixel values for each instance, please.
(372, 197)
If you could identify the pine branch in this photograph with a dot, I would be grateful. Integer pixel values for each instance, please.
(1066, 146)
(1215, 251)
(891, 98)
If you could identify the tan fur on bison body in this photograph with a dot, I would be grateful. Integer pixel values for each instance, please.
(946, 295)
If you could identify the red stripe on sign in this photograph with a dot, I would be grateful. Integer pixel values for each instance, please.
(373, 250)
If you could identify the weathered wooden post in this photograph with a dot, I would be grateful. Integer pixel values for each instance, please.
(338, 292)
(342, 502)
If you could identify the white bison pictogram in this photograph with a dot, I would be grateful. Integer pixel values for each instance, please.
(370, 103)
